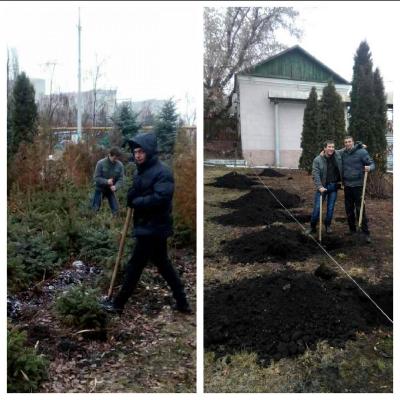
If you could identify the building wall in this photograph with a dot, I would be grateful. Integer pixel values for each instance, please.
(257, 118)
(40, 87)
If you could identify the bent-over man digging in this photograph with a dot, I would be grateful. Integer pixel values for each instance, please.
(151, 199)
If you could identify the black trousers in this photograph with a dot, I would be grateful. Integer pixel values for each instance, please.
(352, 201)
(154, 249)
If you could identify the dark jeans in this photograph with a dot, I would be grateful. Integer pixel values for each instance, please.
(330, 195)
(352, 201)
(98, 196)
(150, 248)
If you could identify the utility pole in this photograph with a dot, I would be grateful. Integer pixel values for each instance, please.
(79, 100)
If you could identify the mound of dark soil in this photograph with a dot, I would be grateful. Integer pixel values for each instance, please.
(262, 198)
(272, 173)
(280, 315)
(257, 216)
(279, 243)
(234, 180)
(325, 272)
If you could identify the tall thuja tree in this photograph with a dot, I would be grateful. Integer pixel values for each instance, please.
(166, 127)
(361, 112)
(367, 119)
(23, 114)
(380, 152)
(332, 123)
(310, 135)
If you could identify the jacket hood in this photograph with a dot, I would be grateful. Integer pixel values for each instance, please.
(147, 141)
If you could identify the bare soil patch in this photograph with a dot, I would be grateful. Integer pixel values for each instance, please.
(282, 314)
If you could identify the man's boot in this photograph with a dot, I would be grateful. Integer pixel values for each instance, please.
(367, 238)
(310, 230)
(109, 306)
(183, 306)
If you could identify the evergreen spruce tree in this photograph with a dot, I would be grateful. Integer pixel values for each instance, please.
(310, 138)
(126, 122)
(23, 114)
(332, 123)
(166, 127)
(379, 153)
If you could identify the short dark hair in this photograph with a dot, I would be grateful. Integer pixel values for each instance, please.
(328, 141)
(349, 137)
(115, 151)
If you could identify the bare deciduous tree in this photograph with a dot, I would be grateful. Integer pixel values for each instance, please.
(236, 38)
(189, 116)
(96, 75)
(49, 106)
(12, 68)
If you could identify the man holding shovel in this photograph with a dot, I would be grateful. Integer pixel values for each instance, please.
(327, 174)
(108, 178)
(356, 163)
(151, 199)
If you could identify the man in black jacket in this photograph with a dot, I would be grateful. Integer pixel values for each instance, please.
(151, 198)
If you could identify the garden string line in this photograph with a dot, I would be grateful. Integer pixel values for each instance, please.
(326, 252)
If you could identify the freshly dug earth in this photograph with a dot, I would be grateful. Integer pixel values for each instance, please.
(282, 314)
(257, 216)
(262, 198)
(234, 180)
(279, 243)
(272, 173)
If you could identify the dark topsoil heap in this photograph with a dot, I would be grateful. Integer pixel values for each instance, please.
(257, 216)
(279, 243)
(272, 173)
(281, 314)
(234, 180)
(259, 207)
(262, 198)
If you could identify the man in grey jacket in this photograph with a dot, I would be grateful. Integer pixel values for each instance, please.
(356, 161)
(108, 178)
(327, 174)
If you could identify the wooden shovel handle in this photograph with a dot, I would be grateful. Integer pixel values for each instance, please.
(120, 250)
(362, 200)
(320, 216)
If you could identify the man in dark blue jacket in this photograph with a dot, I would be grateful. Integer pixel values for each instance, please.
(151, 198)
(356, 161)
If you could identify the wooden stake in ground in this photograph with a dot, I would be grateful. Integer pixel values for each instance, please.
(320, 217)
(362, 200)
(120, 251)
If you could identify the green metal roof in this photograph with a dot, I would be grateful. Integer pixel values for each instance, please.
(296, 64)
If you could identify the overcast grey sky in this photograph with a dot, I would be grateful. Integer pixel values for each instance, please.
(149, 50)
(334, 30)
(154, 51)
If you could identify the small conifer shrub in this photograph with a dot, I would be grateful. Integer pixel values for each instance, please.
(80, 308)
(26, 369)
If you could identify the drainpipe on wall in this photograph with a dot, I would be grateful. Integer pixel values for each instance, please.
(277, 144)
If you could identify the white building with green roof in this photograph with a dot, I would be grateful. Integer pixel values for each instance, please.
(271, 101)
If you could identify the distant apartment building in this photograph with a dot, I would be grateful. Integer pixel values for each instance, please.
(39, 86)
